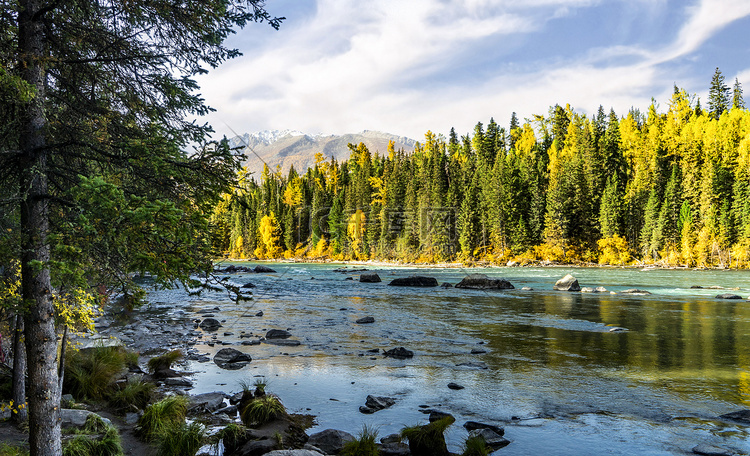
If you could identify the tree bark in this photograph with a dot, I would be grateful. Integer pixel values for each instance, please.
(41, 339)
(19, 374)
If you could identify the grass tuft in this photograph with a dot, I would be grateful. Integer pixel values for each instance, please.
(90, 373)
(182, 440)
(136, 393)
(164, 361)
(475, 446)
(364, 445)
(162, 416)
(262, 410)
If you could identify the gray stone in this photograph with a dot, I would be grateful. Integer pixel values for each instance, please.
(77, 418)
(330, 441)
(567, 283)
(728, 296)
(278, 334)
(369, 277)
(399, 353)
(491, 438)
(209, 402)
(210, 324)
(365, 320)
(231, 359)
(710, 450)
(178, 381)
(482, 282)
(414, 281)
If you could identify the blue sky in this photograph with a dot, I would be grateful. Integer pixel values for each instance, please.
(408, 66)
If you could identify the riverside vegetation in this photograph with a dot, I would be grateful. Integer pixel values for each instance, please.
(668, 188)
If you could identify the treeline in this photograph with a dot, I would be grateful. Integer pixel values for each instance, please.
(670, 188)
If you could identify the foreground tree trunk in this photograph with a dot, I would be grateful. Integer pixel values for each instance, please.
(19, 374)
(41, 340)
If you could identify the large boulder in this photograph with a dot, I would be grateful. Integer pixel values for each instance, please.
(482, 282)
(330, 441)
(567, 283)
(260, 268)
(414, 281)
(231, 359)
(369, 277)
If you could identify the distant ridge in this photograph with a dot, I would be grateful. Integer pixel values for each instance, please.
(292, 147)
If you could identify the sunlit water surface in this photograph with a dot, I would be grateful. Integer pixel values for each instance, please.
(556, 377)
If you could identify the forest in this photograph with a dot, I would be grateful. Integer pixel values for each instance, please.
(668, 187)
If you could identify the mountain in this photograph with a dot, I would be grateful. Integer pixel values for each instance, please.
(291, 147)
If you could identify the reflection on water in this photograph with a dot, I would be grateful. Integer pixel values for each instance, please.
(556, 375)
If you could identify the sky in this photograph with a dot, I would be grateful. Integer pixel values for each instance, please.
(409, 66)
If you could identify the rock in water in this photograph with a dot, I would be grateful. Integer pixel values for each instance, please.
(567, 283)
(331, 441)
(210, 324)
(369, 277)
(728, 296)
(260, 268)
(482, 282)
(399, 353)
(231, 359)
(278, 334)
(414, 281)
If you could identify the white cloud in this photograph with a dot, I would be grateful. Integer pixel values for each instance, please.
(373, 65)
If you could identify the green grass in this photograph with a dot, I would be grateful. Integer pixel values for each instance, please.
(164, 361)
(89, 373)
(182, 440)
(364, 445)
(8, 450)
(162, 416)
(135, 392)
(262, 410)
(475, 446)
(95, 439)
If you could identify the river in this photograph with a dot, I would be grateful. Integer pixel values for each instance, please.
(556, 377)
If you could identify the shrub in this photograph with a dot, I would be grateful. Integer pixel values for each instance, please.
(162, 416)
(90, 373)
(8, 450)
(136, 393)
(262, 410)
(475, 446)
(364, 445)
(164, 361)
(182, 440)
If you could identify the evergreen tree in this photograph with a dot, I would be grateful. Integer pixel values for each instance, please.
(718, 96)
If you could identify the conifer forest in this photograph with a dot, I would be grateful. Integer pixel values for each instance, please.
(669, 186)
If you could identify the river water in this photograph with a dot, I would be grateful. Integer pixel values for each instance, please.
(556, 377)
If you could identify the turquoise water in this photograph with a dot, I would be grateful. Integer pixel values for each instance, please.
(556, 377)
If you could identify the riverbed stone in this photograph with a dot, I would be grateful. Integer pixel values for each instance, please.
(491, 438)
(728, 296)
(398, 353)
(210, 324)
(376, 403)
(482, 282)
(330, 441)
(743, 416)
(711, 450)
(369, 277)
(567, 283)
(278, 334)
(365, 320)
(262, 269)
(414, 281)
(231, 359)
